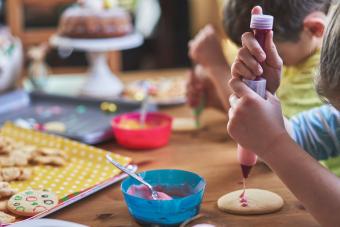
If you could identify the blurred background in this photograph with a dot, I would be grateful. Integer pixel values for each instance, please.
(167, 26)
(75, 92)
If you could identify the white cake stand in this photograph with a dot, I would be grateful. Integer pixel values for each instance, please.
(101, 82)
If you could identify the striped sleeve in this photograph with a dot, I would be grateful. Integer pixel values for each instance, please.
(317, 131)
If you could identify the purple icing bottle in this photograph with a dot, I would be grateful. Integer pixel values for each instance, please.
(260, 25)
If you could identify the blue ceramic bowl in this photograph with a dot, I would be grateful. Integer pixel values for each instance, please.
(166, 212)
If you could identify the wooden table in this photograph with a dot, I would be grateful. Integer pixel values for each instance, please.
(208, 152)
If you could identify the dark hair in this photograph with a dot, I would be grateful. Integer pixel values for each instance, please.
(328, 79)
(288, 16)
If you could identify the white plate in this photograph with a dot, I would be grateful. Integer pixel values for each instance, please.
(169, 102)
(99, 45)
(46, 223)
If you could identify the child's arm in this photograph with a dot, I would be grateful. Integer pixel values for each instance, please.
(206, 50)
(264, 133)
(199, 84)
(316, 187)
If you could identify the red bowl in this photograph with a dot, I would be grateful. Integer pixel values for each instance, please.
(146, 138)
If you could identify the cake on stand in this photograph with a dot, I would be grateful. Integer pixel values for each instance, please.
(101, 82)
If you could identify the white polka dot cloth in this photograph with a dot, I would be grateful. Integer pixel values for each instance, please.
(86, 166)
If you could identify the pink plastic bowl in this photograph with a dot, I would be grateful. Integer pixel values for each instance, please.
(148, 138)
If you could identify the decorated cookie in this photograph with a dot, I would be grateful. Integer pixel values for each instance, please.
(31, 202)
(259, 202)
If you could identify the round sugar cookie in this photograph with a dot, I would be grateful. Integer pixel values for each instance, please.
(31, 202)
(184, 124)
(259, 202)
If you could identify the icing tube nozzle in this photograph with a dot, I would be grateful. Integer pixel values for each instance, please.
(246, 157)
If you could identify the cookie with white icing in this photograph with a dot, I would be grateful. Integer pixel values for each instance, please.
(31, 202)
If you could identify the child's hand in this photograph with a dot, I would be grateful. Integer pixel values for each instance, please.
(198, 85)
(254, 123)
(205, 49)
(251, 55)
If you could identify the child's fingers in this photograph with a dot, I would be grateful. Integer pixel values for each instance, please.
(239, 69)
(194, 46)
(190, 43)
(273, 58)
(191, 49)
(194, 88)
(190, 79)
(272, 98)
(256, 10)
(250, 61)
(191, 95)
(192, 76)
(249, 41)
(201, 36)
(208, 30)
(193, 80)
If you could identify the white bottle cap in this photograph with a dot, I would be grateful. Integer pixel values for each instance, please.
(264, 22)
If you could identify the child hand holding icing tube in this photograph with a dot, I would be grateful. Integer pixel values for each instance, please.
(254, 76)
(257, 124)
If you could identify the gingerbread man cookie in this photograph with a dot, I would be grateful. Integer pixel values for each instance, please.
(31, 202)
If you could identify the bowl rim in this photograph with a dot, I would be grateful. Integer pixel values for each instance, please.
(167, 117)
(175, 199)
